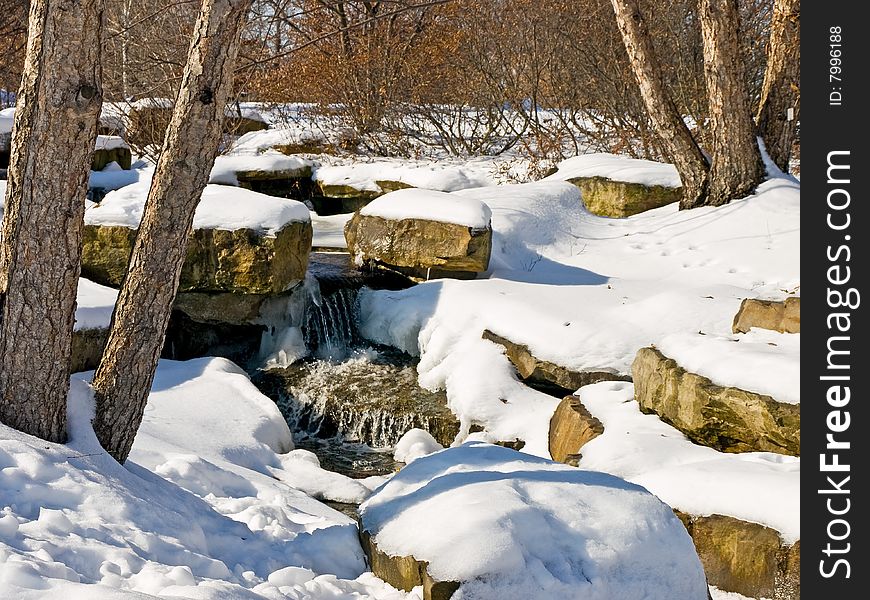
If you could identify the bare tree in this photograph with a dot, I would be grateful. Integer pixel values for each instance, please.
(736, 166)
(687, 156)
(123, 378)
(53, 139)
(779, 108)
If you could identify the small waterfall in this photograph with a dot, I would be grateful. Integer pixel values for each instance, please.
(307, 322)
(330, 324)
(371, 397)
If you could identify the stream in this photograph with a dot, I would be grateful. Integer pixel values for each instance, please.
(347, 400)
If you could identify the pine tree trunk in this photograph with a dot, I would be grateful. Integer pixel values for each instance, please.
(123, 379)
(736, 167)
(669, 125)
(781, 89)
(55, 129)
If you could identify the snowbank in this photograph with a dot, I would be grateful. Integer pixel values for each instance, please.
(414, 444)
(618, 168)
(221, 207)
(94, 305)
(329, 230)
(419, 174)
(760, 361)
(226, 167)
(429, 205)
(508, 525)
(198, 511)
(761, 487)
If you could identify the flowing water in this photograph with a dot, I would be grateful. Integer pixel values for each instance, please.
(346, 400)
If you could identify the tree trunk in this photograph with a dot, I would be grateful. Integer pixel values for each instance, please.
(669, 125)
(737, 167)
(781, 89)
(123, 379)
(55, 129)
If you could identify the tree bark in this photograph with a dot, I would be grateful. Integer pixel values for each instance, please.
(669, 124)
(781, 89)
(736, 168)
(55, 128)
(123, 378)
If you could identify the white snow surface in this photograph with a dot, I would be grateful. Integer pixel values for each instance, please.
(761, 487)
(414, 444)
(419, 174)
(110, 142)
(221, 207)
(761, 361)
(226, 167)
(429, 205)
(202, 509)
(618, 168)
(329, 230)
(94, 305)
(7, 117)
(511, 526)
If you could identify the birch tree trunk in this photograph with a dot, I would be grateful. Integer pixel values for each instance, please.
(55, 128)
(781, 89)
(736, 167)
(669, 125)
(126, 371)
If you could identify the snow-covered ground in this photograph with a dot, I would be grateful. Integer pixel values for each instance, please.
(201, 509)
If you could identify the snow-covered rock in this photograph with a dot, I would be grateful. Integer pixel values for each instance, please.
(422, 233)
(506, 525)
(619, 186)
(783, 316)
(242, 241)
(728, 419)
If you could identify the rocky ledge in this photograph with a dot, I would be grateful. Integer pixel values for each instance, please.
(725, 418)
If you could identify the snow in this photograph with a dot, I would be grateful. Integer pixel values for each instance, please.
(429, 206)
(257, 142)
(587, 293)
(226, 167)
(419, 174)
(199, 511)
(414, 444)
(110, 142)
(94, 305)
(7, 117)
(760, 361)
(221, 207)
(113, 177)
(618, 168)
(761, 487)
(511, 526)
(329, 230)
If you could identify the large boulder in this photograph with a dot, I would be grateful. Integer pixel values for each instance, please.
(610, 198)
(269, 172)
(494, 523)
(784, 317)
(419, 248)
(618, 186)
(746, 558)
(545, 375)
(725, 418)
(243, 261)
(571, 427)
